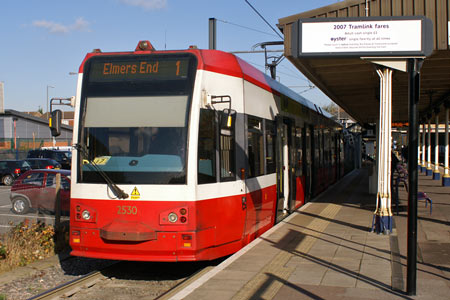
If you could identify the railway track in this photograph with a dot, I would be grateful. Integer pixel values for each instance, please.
(130, 280)
(70, 288)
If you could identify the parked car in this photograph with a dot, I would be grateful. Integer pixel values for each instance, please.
(36, 189)
(11, 169)
(61, 156)
(43, 163)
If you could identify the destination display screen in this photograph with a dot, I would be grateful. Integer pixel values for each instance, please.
(139, 69)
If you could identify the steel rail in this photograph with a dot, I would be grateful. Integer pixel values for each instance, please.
(69, 288)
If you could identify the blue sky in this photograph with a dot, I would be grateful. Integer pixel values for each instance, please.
(42, 41)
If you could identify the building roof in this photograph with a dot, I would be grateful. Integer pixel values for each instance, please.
(353, 83)
(22, 115)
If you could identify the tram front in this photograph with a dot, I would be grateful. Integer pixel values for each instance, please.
(129, 197)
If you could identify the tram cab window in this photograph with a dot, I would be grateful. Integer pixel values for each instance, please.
(227, 152)
(215, 143)
(207, 147)
(255, 147)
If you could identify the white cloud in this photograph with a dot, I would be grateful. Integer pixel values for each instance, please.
(147, 4)
(80, 25)
(51, 26)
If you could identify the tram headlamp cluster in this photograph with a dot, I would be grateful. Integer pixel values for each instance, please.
(174, 216)
(86, 215)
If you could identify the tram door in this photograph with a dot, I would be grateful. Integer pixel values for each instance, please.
(284, 161)
(308, 166)
(296, 162)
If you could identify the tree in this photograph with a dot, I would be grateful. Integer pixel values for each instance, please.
(332, 108)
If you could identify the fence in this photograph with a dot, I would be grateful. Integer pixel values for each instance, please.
(19, 151)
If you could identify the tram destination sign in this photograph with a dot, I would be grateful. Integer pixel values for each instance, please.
(115, 69)
(362, 37)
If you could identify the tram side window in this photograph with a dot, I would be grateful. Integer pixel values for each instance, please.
(316, 148)
(270, 147)
(308, 146)
(326, 148)
(207, 147)
(321, 150)
(333, 149)
(299, 148)
(255, 147)
(227, 154)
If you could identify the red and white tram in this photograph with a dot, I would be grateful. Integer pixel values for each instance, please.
(189, 155)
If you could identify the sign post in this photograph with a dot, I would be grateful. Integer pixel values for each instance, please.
(413, 142)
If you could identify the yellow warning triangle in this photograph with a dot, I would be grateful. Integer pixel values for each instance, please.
(135, 192)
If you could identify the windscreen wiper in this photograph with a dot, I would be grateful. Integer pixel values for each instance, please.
(118, 192)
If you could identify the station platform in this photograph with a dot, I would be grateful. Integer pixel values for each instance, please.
(325, 250)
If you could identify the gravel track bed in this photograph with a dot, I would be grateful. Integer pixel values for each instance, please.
(133, 280)
(42, 280)
(136, 280)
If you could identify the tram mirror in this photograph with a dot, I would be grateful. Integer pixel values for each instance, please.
(227, 120)
(54, 122)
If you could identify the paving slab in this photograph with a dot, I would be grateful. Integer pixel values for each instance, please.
(326, 251)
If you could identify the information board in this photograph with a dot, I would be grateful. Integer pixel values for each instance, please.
(356, 37)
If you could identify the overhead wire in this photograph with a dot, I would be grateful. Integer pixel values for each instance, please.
(264, 20)
(242, 26)
(310, 86)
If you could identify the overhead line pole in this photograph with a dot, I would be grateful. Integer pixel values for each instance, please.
(212, 33)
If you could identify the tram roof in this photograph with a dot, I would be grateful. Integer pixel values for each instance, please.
(255, 76)
(353, 83)
(228, 64)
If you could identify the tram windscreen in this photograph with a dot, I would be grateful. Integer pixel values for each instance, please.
(135, 128)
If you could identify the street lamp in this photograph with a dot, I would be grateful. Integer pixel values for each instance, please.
(15, 119)
(48, 86)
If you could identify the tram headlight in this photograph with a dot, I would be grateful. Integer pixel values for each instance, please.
(173, 217)
(86, 215)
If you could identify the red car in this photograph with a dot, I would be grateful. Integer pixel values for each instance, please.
(36, 189)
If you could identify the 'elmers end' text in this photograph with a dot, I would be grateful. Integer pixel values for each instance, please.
(136, 68)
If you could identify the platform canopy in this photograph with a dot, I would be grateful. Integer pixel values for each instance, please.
(353, 83)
